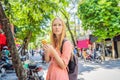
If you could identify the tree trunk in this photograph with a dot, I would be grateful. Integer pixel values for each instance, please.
(75, 30)
(103, 50)
(25, 43)
(68, 26)
(113, 49)
(11, 44)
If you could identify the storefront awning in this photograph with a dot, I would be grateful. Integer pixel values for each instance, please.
(2, 40)
(83, 43)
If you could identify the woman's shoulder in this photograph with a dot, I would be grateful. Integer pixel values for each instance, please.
(67, 42)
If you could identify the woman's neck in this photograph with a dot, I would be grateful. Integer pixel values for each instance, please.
(58, 37)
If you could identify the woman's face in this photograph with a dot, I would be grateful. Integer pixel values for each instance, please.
(57, 27)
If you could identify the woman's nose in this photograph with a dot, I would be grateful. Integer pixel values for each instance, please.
(57, 26)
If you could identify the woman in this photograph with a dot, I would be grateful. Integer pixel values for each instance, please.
(58, 61)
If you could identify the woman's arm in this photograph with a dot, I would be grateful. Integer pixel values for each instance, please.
(62, 60)
(47, 57)
(49, 49)
(58, 59)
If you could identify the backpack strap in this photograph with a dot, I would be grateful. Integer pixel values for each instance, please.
(73, 57)
(64, 40)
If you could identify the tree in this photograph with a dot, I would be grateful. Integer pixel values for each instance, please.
(100, 16)
(11, 44)
(64, 11)
(29, 16)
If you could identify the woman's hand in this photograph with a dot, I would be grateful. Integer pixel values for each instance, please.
(48, 48)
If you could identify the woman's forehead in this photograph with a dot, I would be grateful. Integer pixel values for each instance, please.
(57, 20)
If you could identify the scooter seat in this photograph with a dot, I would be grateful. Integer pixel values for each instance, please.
(32, 66)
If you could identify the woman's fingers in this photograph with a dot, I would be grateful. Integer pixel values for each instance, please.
(45, 47)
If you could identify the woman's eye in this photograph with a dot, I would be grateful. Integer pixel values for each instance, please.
(59, 24)
(54, 24)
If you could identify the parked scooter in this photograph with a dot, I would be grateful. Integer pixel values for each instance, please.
(6, 64)
(35, 72)
(98, 57)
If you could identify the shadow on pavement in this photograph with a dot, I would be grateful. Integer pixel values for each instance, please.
(111, 64)
(84, 68)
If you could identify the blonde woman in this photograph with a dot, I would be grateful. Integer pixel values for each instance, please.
(58, 61)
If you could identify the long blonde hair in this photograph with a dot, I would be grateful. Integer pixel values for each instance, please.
(62, 36)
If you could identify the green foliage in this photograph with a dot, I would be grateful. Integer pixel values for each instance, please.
(32, 16)
(29, 15)
(100, 16)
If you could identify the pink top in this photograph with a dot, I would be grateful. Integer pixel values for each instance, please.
(54, 71)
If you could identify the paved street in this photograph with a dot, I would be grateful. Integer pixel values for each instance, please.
(108, 70)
